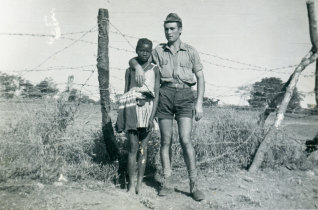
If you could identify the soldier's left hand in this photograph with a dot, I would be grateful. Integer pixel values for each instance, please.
(198, 112)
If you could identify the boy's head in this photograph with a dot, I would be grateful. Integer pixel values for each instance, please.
(144, 49)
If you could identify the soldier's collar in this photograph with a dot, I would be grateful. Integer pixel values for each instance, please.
(182, 46)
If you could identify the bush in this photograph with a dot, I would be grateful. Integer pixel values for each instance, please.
(286, 151)
(44, 143)
(224, 139)
(227, 139)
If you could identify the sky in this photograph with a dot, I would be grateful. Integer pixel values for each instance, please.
(238, 40)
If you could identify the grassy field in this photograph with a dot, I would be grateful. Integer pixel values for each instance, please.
(49, 142)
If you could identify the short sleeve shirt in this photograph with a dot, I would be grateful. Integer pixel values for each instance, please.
(179, 67)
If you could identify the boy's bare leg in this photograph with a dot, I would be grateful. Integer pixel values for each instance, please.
(133, 148)
(142, 159)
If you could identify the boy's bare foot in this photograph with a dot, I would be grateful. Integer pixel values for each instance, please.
(131, 189)
(138, 188)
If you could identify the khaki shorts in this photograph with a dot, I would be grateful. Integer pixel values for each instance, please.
(175, 102)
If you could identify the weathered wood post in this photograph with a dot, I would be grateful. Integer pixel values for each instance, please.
(313, 39)
(103, 79)
(271, 106)
(308, 59)
(316, 84)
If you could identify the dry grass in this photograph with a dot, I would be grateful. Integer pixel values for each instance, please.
(45, 139)
(224, 139)
(43, 142)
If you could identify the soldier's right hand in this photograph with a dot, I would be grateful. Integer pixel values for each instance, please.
(139, 75)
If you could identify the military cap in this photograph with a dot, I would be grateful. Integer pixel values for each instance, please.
(173, 17)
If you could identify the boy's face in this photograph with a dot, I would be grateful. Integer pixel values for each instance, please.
(144, 52)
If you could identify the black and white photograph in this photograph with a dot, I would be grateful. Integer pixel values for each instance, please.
(158, 104)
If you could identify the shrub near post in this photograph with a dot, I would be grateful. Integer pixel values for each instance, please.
(103, 78)
(308, 59)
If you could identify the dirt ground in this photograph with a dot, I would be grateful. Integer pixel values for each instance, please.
(269, 189)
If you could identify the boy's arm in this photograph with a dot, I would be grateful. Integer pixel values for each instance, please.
(156, 99)
(127, 80)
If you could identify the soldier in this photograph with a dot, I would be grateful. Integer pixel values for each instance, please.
(179, 63)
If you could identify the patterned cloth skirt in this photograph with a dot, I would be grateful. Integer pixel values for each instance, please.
(143, 114)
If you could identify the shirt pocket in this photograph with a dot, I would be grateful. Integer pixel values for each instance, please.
(185, 72)
(165, 70)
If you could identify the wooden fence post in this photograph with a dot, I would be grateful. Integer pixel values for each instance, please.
(103, 78)
(316, 84)
(308, 59)
(313, 39)
(271, 106)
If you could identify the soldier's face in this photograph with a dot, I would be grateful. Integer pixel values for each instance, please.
(172, 31)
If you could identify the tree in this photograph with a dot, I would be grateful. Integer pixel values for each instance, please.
(76, 95)
(28, 90)
(47, 87)
(9, 85)
(208, 102)
(73, 95)
(263, 92)
(15, 86)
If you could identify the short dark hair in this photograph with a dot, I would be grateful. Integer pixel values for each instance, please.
(143, 41)
(179, 24)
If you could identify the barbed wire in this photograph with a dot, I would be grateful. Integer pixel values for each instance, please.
(80, 68)
(88, 78)
(126, 35)
(81, 40)
(253, 86)
(54, 68)
(123, 35)
(121, 49)
(45, 35)
(78, 32)
(27, 34)
(64, 48)
(252, 66)
(52, 36)
(250, 69)
(233, 61)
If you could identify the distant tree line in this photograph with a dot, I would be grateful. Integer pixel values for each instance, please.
(259, 93)
(12, 86)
